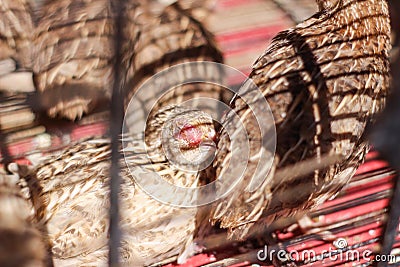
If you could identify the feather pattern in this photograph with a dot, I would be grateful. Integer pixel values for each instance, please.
(73, 55)
(159, 37)
(74, 47)
(70, 196)
(70, 192)
(324, 80)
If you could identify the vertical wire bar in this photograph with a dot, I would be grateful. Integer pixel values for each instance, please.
(5, 154)
(116, 130)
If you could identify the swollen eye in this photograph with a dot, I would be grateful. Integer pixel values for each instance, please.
(190, 134)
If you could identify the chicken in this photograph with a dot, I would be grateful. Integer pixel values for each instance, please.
(70, 193)
(324, 80)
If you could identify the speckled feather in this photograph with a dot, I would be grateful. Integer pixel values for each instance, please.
(73, 69)
(324, 80)
(160, 37)
(73, 55)
(70, 196)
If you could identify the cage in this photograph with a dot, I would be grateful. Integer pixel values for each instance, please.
(356, 218)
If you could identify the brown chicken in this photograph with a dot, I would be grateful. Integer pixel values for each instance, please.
(324, 80)
(70, 194)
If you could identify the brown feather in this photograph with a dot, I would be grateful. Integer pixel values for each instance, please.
(21, 243)
(161, 37)
(70, 197)
(324, 80)
(73, 56)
